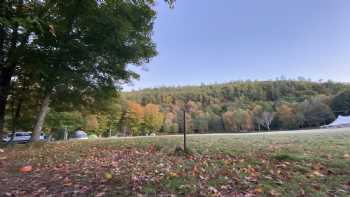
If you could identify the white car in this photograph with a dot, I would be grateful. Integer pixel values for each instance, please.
(22, 137)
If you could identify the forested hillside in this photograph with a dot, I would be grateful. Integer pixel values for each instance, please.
(239, 106)
(231, 107)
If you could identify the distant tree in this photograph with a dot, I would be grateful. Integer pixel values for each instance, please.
(200, 122)
(286, 116)
(248, 122)
(229, 121)
(170, 123)
(92, 123)
(341, 103)
(109, 111)
(215, 123)
(316, 113)
(153, 118)
(267, 118)
(59, 122)
(180, 121)
(263, 115)
(257, 116)
(134, 117)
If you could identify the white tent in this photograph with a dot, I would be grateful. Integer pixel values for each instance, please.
(341, 121)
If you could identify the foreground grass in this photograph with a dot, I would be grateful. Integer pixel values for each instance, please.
(225, 165)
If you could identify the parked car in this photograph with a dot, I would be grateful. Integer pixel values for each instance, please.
(22, 137)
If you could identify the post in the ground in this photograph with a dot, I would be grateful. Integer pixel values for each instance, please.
(184, 125)
(65, 133)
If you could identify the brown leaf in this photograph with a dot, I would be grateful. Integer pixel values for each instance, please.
(67, 182)
(251, 179)
(259, 189)
(108, 175)
(317, 187)
(317, 173)
(26, 169)
(194, 170)
(274, 193)
(317, 167)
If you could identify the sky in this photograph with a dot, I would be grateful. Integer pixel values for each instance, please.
(215, 41)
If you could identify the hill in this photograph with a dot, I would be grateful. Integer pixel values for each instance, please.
(242, 105)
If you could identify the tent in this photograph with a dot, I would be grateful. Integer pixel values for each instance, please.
(341, 121)
(80, 134)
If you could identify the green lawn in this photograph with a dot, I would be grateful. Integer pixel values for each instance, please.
(311, 164)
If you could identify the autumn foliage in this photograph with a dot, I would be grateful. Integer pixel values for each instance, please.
(139, 120)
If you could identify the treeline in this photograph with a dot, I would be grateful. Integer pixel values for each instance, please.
(231, 107)
(245, 105)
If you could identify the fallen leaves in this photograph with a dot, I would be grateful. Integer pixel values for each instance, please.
(108, 175)
(259, 189)
(316, 173)
(274, 193)
(317, 166)
(316, 170)
(26, 169)
(67, 182)
(173, 174)
(140, 168)
(346, 156)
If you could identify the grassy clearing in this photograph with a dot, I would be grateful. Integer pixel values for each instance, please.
(311, 164)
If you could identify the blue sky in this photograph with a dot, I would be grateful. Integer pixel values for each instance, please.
(207, 41)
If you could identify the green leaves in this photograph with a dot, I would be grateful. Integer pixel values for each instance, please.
(341, 103)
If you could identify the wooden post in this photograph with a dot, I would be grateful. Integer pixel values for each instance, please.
(65, 133)
(184, 119)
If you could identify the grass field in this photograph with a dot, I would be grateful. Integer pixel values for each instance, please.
(312, 163)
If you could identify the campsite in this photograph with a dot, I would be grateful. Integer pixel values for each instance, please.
(174, 98)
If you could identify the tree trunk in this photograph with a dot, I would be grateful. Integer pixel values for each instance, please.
(44, 108)
(65, 133)
(5, 83)
(7, 69)
(15, 117)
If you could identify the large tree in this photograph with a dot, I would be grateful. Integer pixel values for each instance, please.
(85, 55)
(74, 51)
(18, 23)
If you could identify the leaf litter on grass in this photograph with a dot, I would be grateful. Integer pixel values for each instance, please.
(137, 167)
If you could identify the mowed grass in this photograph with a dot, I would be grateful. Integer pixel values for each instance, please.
(303, 164)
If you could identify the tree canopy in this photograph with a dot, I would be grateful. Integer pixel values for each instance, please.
(74, 53)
